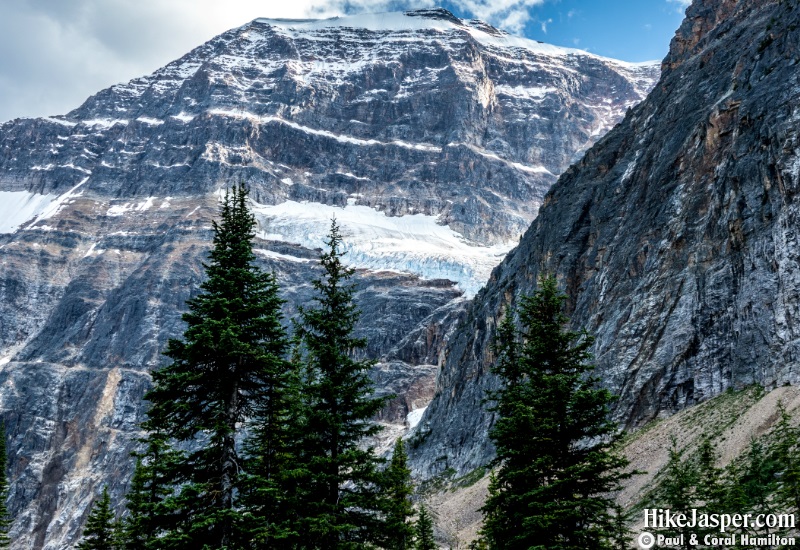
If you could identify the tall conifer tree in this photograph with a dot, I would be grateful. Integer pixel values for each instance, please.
(99, 533)
(424, 531)
(555, 466)
(147, 501)
(398, 531)
(339, 498)
(222, 370)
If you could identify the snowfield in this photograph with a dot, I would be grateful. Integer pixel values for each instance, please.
(415, 244)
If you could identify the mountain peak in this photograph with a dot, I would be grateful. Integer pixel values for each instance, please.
(435, 13)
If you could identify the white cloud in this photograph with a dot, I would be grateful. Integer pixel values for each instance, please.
(54, 54)
(511, 15)
(682, 5)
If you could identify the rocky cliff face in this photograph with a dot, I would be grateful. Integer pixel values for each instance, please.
(675, 238)
(432, 140)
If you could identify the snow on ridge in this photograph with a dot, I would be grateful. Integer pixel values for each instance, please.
(493, 156)
(324, 133)
(54, 206)
(400, 22)
(414, 244)
(385, 21)
(105, 122)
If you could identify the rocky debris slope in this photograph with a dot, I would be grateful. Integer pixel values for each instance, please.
(731, 421)
(675, 238)
(431, 139)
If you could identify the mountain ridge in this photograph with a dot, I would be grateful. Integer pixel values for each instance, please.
(672, 237)
(406, 136)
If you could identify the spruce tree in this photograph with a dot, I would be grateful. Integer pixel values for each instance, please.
(99, 533)
(398, 531)
(5, 519)
(555, 467)
(222, 370)
(268, 485)
(338, 501)
(147, 499)
(678, 489)
(785, 451)
(424, 531)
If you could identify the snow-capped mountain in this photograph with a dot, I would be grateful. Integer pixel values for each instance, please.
(431, 139)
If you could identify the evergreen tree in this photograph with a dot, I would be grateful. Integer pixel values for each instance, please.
(757, 479)
(620, 539)
(338, 502)
(398, 531)
(785, 450)
(221, 372)
(710, 483)
(148, 496)
(268, 488)
(5, 519)
(99, 532)
(678, 489)
(424, 531)
(555, 467)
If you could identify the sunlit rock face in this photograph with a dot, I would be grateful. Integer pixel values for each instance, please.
(675, 237)
(432, 140)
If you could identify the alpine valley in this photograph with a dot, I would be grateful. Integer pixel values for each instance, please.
(432, 140)
(462, 163)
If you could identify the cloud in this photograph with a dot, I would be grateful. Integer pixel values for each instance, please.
(55, 54)
(511, 15)
(682, 5)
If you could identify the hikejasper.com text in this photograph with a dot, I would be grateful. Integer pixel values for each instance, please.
(665, 519)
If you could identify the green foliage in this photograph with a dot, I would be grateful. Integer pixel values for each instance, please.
(555, 467)
(338, 481)
(424, 531)
(398, 531)
(99, 533)
(147, 498)
(5, 519)
(223, 371)
(678, 489)
(786, 452)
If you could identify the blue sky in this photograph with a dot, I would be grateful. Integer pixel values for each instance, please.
(56, 53)
(631, 30)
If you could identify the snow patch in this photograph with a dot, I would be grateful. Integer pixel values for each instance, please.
(414, 244)
(414, 417)
(104, 122)
(93, 251)
(55, 206)
(60, 121)
(121, 209)
(528, 93)
(17, 207)
(183, 117)
(150, 121)
(278, 256)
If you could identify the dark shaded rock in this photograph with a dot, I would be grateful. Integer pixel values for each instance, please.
(675, 238)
